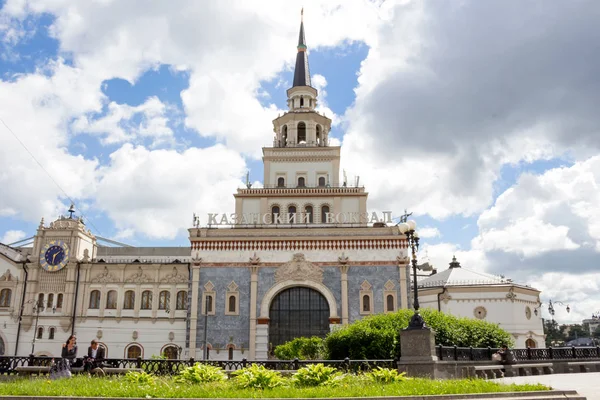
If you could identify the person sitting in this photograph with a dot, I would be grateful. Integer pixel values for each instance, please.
(506, 355)
(94, 357)
(69, 350)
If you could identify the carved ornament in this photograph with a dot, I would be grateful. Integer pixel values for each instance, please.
(445, 297)
(7, 276)
(138, 277)
(175, 277)
(254, 260)
(104, 277)
(511, 294)
(299, 269)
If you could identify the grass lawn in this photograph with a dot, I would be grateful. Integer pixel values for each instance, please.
(349, 386)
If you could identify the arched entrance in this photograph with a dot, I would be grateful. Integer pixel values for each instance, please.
(297, 312)
(530, 343)
(2, 347)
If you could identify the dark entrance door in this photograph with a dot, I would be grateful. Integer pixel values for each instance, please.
(297, 312)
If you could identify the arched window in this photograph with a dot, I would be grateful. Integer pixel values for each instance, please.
(319, 135)
(209, 303)
(5, 296)
(530, 343)
(230, 353)
(280, 182)
(291, 214)
(134, 351)
(181, 300)
(40, 332)
(366, 305)
(284, 136)
(59, 301)
(51, 333)
(301, 132)
(301, 101)
(389, 300)
(111, 300)
(50, 301)
(129, 301)
(274, 214)
(164, 298)
(170, 353)
(40, 302)
(322, 181)
(94, 300)
(308, 210)
(231, 304)
(301, 182)
(324, 212)
(146, 300)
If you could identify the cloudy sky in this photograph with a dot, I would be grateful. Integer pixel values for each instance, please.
(480, 117)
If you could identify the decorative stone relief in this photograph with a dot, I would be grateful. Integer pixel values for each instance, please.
(134, 335)
(138, 277)
(104, 277)
(343, 259)
(232, 287)
(171, 336)
(511, 294)
(445, 297)
(254, 260)
(196, 259)
(299, 269)
(389, 285)
(7, 276)
(402, 260)
(99, 334)
(86, 255)
(175, 277)
(366, 286)
(480, 312)
(209, 286)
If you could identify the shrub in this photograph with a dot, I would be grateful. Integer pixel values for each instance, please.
(301, 348)
(316, 375)
(258, 377)
(386, 375)
(378, 337)
(140, 378)
(202, 373)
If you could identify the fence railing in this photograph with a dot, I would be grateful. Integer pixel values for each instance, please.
(454, 353)
(9, 364)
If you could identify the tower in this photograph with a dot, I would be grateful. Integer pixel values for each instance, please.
(301, 170)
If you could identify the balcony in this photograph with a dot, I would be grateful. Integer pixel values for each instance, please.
(282, 190)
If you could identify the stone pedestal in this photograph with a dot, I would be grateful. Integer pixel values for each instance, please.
(418, 354)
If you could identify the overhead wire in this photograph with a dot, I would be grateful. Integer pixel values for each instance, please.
(50, 176)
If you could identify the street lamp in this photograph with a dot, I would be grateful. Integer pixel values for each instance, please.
(37, 307)
(551, 310)
(408, 228)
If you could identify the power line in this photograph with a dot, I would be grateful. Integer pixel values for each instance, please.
(49, 175)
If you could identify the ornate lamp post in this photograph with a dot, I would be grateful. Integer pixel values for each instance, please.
(408, 228)
(37, 307)
(551, 309)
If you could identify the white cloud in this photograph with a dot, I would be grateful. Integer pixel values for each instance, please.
(12, 236)
(118, 125)
(156, 192)
(429, 232)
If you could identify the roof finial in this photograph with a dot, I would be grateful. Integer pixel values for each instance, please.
(302, 15)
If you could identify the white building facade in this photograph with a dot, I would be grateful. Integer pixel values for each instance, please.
(464, 293)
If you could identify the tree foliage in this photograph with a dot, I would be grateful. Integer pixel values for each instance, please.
(301, 348)
(378, 337)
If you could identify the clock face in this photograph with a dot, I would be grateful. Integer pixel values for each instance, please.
(54, 256)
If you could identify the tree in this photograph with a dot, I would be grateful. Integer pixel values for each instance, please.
(577, 331)
(596, 333)
(554, 334)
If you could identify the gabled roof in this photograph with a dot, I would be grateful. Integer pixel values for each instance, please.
(13, 254)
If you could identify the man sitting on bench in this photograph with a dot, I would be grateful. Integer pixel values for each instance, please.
(506, 356)
(94, 357)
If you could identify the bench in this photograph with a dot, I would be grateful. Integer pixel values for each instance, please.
(528, 369)
(583, 366)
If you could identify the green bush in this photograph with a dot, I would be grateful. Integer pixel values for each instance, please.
(258, 377)
(202, 373)
(378, 337)
(386, 375)
(316, 375)
(301, 348)
(140, 378)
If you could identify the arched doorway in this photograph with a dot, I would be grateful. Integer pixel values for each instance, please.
(297, 312)
(2, 347)
(530, 343)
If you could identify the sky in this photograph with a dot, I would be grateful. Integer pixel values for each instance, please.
(480, 117)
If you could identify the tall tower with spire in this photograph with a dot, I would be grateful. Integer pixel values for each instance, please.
(301, 169)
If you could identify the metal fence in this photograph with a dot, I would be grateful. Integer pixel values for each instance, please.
(8, 365)
(454, 353)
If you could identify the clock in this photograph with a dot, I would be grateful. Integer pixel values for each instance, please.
(54, 255)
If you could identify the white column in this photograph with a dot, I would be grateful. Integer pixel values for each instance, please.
(253, 300)
(344, 281)
(194, 308)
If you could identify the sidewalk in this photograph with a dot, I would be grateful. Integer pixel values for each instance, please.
(586, 384)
